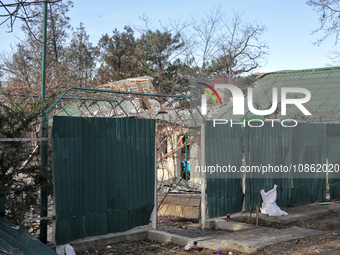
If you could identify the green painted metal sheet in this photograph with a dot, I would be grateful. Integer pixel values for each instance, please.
(304, 144)
(104, 172)
(333, 135)
(223, 147)
(264, 147)
(19, 242)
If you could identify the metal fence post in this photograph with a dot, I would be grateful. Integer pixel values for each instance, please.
(203, 176)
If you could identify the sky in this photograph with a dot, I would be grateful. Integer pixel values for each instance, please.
(289, 25)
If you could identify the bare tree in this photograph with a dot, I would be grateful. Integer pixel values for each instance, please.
(329, 18)
(226, 46)
(205, 39)
(241, 49)
(12, 11)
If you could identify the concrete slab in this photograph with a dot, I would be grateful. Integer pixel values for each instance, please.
(251, 240)
(244, 240)
(164, 237)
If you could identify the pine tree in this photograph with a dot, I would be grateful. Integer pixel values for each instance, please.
(20, 173)
(81, 56)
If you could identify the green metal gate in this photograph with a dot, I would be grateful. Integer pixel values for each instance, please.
(104, 173)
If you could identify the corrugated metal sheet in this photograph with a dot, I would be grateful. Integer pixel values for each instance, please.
(103, 175)
(323, 84)
(20, 242)
(306, 144)
(303, 144)
(223, 147)
(264, 145)
(333, 135)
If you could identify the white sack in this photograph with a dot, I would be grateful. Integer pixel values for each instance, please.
(269, 205)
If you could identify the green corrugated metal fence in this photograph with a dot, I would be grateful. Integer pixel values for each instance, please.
(104, 172)
(333, 135)
(223, 147)
(262, 146)
(303, 144)
(306, 143)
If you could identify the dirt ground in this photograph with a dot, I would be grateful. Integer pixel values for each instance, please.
(328, 242)
(330, 223)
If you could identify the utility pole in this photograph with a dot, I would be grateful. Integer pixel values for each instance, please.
(43, 130)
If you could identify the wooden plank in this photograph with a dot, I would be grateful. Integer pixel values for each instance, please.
(125, 87)
(144, 100)
(113, 86)
(151, 86)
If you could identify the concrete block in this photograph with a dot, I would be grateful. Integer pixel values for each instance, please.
(209, 224)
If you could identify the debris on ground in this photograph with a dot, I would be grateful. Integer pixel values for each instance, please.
(193, 247)
(179, 185)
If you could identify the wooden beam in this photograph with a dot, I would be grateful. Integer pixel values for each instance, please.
(144, 100)
(151, 86)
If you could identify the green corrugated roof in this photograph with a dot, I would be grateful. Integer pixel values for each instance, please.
(323, 84)
(20, 242)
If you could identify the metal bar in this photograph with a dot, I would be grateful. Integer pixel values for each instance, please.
(64, 110)
(196, 107)
(56, 102)
(24, 139)
(43, 129)
(123, 109)
(89, 99)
